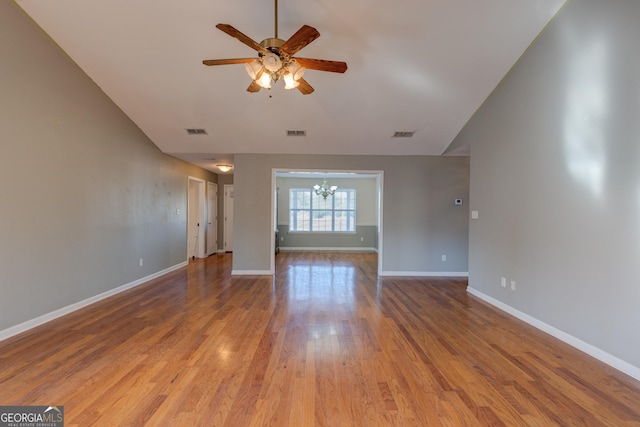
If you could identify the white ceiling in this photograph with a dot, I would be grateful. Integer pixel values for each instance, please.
(414, 65)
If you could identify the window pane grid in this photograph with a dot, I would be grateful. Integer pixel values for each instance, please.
(312, 213)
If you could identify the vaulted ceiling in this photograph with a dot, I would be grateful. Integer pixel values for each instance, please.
(422, 66)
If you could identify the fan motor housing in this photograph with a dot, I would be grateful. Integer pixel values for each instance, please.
(271, 43)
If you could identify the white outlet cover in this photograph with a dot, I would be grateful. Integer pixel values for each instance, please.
(474, 214)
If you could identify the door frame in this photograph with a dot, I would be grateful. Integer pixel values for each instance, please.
(212, 247)
(380, 185)
(226, 222)
(199, 205)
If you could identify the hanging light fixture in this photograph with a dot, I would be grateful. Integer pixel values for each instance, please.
(325, 190)
(224, 168)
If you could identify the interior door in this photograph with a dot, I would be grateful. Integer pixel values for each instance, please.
(228, 218)
(212, 218)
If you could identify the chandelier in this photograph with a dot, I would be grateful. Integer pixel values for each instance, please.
(324, 190)
(271, 67)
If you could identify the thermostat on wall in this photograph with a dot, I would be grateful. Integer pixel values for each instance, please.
(458, 201)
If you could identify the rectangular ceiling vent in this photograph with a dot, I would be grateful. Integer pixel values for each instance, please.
(296, 133)
(403, 134)
(195, 131)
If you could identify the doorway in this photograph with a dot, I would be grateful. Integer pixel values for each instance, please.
(212, 218)
(195, 218)
(374, 205)
(228, 218)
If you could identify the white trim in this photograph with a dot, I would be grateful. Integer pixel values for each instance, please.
(214, 222)
(274, 222)
(379, 174)
(225, 208)
(30, 324)
(307, 248)
(201, 217)
(222, 251)
(251, 273)
(380, 180)
(425, 273)
(577, 343)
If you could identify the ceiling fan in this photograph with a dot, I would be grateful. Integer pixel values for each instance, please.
(276, 60)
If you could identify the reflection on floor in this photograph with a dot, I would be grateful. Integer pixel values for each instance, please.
(325, 342)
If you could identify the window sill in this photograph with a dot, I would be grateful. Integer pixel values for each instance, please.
(347, 233)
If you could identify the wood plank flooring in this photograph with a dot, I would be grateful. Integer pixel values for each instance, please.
(323, 343)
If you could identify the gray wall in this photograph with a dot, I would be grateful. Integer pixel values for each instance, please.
(364, 239)
(555, 178)
(366, 234)
(420, 220)
(85, 194)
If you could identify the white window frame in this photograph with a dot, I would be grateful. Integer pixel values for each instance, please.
(293, 225)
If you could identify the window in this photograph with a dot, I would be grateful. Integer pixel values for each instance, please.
(310, 212)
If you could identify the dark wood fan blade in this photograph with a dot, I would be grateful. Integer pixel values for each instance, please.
(322, 65)
(227, 61)
(300, 39)
(305, 87)
(254, 87)
(242, 37)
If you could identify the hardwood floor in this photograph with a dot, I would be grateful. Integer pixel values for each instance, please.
(324, 343)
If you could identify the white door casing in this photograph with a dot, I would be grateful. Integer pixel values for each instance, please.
(195, 218)
(212, 218)
(228, 218)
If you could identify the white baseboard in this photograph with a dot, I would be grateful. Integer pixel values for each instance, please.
(30, 324)
(251, 273)
(328, 249)
(603, 356)
(425, 273)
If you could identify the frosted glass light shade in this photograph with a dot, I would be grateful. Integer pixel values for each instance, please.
(253, 68)
(264, 81)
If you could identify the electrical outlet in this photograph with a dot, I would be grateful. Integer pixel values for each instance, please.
(444, 258)
(503, 282)
(513, 285)
(282, 239)
(362, 239)
(140, 262)
(177, 211)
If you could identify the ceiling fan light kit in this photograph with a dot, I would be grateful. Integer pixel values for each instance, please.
(275, 59)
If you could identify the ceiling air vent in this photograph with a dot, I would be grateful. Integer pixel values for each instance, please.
(403, 134)
(194, 131)
(296, 133)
